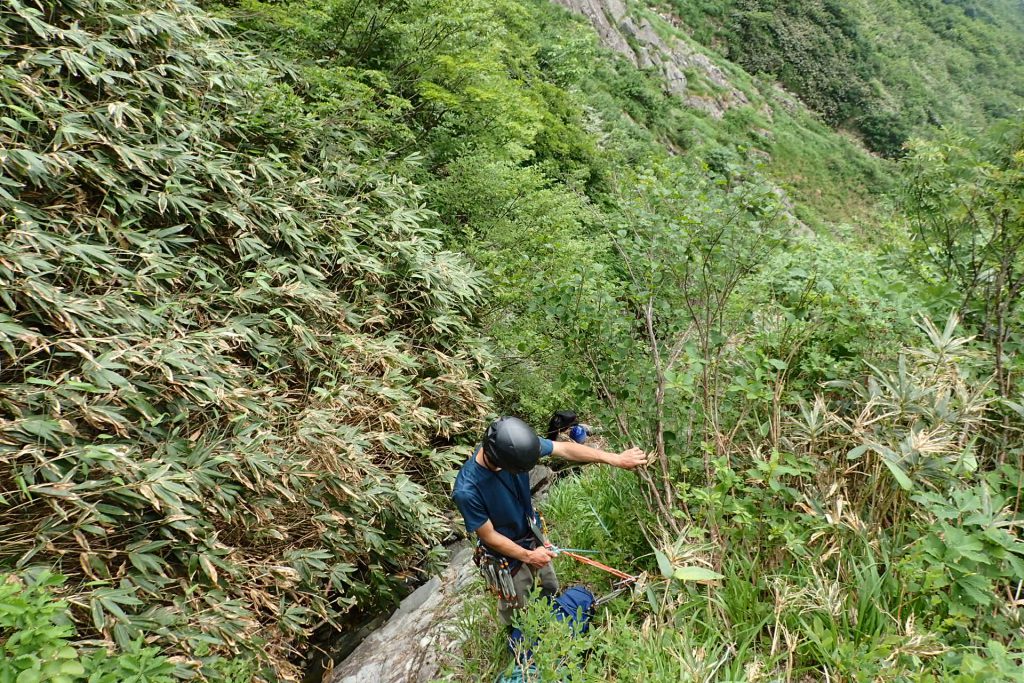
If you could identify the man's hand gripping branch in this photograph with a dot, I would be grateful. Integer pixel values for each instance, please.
(574, 452)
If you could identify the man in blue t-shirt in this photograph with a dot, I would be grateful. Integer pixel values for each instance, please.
(492, 491)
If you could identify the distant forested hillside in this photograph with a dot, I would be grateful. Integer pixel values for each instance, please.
(883, 68)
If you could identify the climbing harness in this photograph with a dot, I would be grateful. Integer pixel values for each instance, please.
(497, 573)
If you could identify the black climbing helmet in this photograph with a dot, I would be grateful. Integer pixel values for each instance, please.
(560, 421)
(512, 445)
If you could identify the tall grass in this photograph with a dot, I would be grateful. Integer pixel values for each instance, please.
(831, 571)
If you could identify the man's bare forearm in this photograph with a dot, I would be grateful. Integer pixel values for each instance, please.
(575, 452)
(502, 544)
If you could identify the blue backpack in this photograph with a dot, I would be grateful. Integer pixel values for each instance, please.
(575, 605)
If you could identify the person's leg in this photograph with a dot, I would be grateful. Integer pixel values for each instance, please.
(548, 580)
(523, 582)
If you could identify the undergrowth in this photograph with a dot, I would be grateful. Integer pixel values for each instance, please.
(263, 264)
(871, 546)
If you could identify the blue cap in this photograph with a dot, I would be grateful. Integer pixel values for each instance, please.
(578, 433)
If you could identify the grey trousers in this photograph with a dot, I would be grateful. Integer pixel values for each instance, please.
(524, 581)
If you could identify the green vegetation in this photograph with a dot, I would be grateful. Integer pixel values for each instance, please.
(36, 649)
(231, 338)
(266, 268)
(885, 69)
(873, 542)
(964, 199)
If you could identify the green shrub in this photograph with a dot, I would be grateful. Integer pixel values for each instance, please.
(37, 631)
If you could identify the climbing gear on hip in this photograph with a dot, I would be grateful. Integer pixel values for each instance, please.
(497, 573)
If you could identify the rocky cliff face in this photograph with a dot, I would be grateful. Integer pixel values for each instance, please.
(410, 647)
(639, 42)
(416, 640)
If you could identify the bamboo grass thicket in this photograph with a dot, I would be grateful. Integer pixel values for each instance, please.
(230, 343)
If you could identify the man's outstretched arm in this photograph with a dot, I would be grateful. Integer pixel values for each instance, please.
(575, 452)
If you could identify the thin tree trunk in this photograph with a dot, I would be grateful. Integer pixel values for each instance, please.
(659, 405)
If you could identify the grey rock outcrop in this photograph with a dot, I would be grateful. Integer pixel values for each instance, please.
(410, 647)
(639, 42)
(605, 15)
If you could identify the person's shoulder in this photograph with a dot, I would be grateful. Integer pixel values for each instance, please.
(468, 475)
(463, 494)
(467, 488)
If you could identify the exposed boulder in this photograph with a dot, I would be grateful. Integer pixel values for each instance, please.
(410, 647)
(640, 43)
(541, 477)
(703, 103)
(605, 15)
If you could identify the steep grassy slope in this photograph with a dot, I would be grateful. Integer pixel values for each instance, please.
(884, 69)
(260, 272)
(713, 110)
